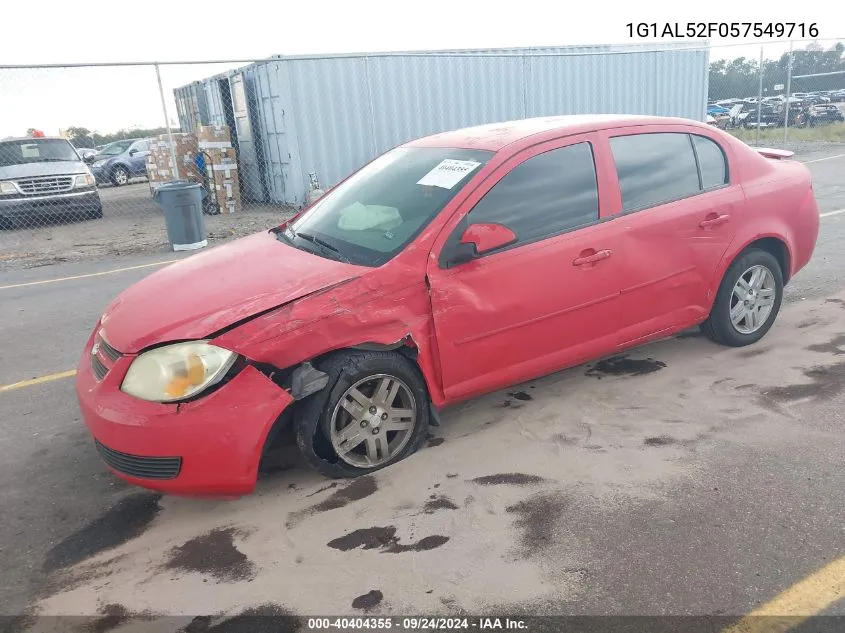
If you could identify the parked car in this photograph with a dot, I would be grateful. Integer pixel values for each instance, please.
(769, 117)
(449, 267)
(821, 114)
(716, 110)
(117, 162)
(42, 177)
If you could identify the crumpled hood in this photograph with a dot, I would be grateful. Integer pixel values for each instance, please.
(209, 291)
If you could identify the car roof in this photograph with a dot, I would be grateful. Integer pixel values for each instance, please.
(495, 136)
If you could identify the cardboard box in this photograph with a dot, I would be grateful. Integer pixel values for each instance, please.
(214, 136)
(220, 155)
(227, 189)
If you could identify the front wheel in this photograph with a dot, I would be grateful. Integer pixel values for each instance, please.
(748, 300)
(372, 413)
(120, 176)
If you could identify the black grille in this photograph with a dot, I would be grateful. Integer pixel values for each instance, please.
(141, 467)
(98, 368)
(108, 351)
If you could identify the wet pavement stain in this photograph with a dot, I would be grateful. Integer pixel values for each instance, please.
(751, 353)
(520, 395)
(624, 366)
(439, 503)
(828, 381)
(360, 488)
(537, 517)
(323, 489)
(808, 323)
(124, 521)
(266, 618)
(368, 600)
(838, 301)
(835, 346)
(660, 440)
(433, 441)
(384, 539)
(214, 553)
(508, 479)
(113, 616)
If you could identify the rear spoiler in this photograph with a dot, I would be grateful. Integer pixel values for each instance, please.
(780, 154)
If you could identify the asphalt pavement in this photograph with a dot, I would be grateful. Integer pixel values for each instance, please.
(755, 508)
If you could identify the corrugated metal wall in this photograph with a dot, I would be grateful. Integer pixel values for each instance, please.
(332, 114)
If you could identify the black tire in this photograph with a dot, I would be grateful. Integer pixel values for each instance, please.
(119, 176)
(344, 369)
(718, 326)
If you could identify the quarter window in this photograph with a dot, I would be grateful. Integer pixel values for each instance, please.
(711, 162)
(654, 168)
(546, 195)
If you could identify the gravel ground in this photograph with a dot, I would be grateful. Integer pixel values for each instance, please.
(132, 223)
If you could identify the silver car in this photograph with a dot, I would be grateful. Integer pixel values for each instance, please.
(45, 177)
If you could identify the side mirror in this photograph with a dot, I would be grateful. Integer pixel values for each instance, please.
(478, 239)
(132, 152)
(88, 158)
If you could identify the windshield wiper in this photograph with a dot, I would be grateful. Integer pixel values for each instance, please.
(324, 244)
(56, 160)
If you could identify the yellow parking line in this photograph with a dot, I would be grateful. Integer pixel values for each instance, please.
(37, 381)
(105, 272)
(804, 599)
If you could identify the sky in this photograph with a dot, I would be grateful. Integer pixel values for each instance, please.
(107, 99)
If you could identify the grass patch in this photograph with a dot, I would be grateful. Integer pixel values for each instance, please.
(833, 132)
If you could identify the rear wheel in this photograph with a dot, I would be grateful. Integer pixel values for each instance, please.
(748, 300)
(372, 413)
(119, 176)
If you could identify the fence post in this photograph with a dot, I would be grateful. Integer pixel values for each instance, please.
(167, 123)
(759, 98)
(788, 93)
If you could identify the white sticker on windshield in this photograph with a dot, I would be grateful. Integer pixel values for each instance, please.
(448, 173)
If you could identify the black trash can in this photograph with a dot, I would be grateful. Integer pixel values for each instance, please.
(181, 202)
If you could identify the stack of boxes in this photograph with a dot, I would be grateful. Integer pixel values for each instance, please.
(160, 167)
(221, 163)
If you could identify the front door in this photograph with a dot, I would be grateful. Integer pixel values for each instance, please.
(545, 301)
(138, 153)
(680, 212)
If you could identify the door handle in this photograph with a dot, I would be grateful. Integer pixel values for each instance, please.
(714, 221)
(591, 259)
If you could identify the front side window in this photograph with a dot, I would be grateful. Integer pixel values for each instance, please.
(548, 194)
(140, 146)
(654, 169)
(36, 151)
(378, 211)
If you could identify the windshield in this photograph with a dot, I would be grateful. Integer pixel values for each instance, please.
(375, 213)
(113, 149)
(35, 151)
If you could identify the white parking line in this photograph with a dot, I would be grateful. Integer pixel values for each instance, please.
(818, 160)
(830, 213)
(99, 274)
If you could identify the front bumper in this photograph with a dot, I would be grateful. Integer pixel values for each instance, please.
(101, 174)
(211, 446)
(56, 204)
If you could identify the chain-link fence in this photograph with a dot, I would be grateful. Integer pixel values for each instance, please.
(84, 148)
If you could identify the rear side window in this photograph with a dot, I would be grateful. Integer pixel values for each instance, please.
(654, 168)
(546, 195)
(711, 162)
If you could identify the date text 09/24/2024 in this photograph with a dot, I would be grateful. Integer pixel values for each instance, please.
(416, 623)
(722, 29)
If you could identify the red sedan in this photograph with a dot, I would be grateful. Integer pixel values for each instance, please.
(451, 266)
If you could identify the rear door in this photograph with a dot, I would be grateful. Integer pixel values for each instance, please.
(680, 210)
(546, 301)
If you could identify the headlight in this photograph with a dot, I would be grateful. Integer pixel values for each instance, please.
(7, 187)
(176, 372)
(85, 180)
